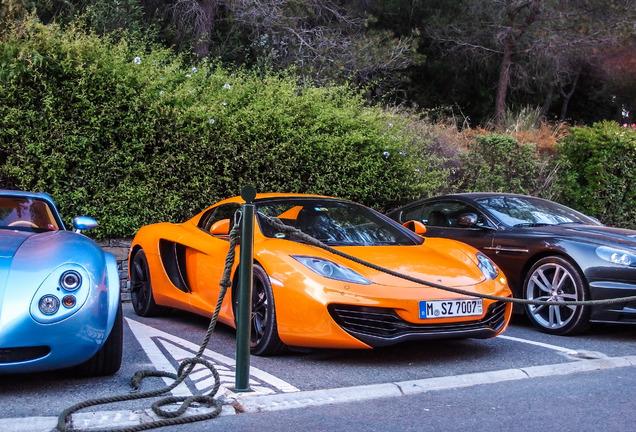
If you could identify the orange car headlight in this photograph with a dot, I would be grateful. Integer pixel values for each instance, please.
(486, 266)
(331, 270)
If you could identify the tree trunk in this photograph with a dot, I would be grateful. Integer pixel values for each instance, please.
(204, 27)
(567, 96)
(504, 81)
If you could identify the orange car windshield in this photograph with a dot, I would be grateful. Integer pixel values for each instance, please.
(26, 214)
(334, 222)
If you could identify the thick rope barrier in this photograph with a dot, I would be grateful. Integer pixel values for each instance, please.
(173, 417)
(294, 232)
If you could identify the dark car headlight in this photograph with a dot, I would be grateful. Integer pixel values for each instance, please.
(332, 270)
(487, 267)
(616, 256)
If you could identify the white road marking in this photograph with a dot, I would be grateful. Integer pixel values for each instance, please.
(541, 344)
(157, 343)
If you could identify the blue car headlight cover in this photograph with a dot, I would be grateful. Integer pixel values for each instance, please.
(331, 270)
(61, 294)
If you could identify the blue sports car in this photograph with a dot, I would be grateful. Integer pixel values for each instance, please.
(59, 292)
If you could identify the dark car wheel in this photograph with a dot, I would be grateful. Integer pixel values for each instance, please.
(264, 338)
(141, 288)
(107, 360)
(556, 279)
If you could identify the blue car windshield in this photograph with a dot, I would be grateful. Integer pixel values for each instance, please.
(530, 211)
(333, 222)
(26, 214)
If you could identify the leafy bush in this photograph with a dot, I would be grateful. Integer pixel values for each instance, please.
(131, 135)
(500, 163)
(599, 172)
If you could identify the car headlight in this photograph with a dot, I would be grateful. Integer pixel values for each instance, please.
(70, 280)
(487, 267)
(331, 270)
(61, 294)
(49, 304)
(616, 256)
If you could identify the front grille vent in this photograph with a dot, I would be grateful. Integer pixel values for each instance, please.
(22, 354)
(372, 324)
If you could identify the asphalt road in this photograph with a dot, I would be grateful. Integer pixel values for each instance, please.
(522, 380)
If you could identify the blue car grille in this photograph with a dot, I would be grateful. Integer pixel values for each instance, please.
(22, 354)
(383, 326)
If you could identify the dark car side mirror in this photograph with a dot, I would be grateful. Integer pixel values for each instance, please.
(467, 220)
(416, 226)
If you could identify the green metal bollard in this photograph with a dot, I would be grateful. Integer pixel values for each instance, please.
(244, 308)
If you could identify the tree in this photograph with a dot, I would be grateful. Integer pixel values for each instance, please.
(540, 44)
(324, 40)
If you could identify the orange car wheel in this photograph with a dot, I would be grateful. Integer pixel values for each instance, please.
(264, 339)
(141, 288)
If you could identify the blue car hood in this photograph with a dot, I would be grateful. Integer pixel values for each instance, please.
(10, 241)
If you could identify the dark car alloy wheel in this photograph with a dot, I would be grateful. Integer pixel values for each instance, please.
(141, 287)
(556, 279)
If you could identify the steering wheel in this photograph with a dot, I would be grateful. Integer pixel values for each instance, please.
(23, 223)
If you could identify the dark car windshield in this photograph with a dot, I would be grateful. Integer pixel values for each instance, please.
(529, 211)
(26, 214)
(333, 222)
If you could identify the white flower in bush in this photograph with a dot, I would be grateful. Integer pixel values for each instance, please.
(211, 121)
(227, 86)
(137, 60)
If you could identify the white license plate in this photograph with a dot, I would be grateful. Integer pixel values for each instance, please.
(450, 308)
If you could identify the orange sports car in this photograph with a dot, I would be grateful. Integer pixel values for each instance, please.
(306, 296)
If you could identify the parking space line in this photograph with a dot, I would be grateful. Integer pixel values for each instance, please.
(541, 344)
(153, 341)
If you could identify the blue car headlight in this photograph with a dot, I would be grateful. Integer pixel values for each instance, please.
(71, 280)
(616, 256)
(487, 267)
(49, 304)
(331, 270)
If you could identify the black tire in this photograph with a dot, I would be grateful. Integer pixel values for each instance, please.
(141, 287)
(264, 339)
(557, 279)
(107, 360)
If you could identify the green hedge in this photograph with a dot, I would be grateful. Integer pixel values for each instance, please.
(131, 135)
(499, 163)
(598, 174)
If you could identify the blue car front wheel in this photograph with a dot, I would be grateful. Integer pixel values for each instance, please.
(107, 360)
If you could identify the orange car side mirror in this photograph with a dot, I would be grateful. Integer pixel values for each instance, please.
(221, 227)
(416, 226)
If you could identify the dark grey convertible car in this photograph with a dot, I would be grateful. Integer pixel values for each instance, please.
(547, 251)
